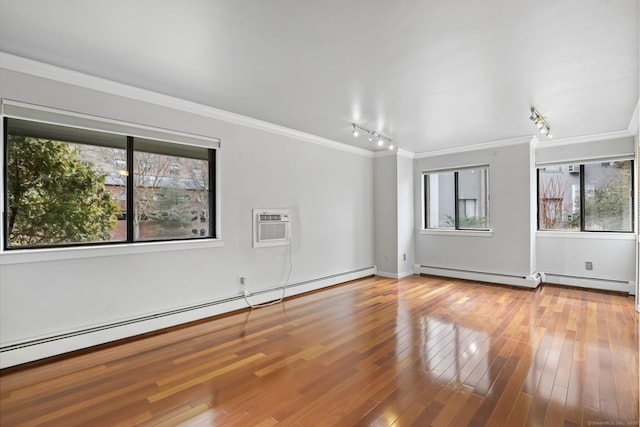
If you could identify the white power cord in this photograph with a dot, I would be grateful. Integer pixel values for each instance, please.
(246, 293)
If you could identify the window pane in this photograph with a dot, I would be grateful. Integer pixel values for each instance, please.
(472, 199)
(440, 188)
(60, 192)
(608, 196)
(171, 197)
(559, 198)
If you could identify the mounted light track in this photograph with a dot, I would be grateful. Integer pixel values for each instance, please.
(381, 139)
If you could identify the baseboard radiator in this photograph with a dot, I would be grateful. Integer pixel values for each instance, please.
(591, 282)
(530, 281)
(20, 352)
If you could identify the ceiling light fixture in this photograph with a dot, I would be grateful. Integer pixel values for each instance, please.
(371, 134)
(540, 122)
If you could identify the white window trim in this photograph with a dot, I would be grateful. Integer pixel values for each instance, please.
(453, 232)
(39, 113)
(586, 160)
(23, 256)
(596, 235)
(23, 110)
(588, 233)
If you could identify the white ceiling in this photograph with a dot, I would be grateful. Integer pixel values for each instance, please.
(429, 74)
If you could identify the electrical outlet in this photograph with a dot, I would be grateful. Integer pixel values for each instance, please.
(404, 257)
(588, 265)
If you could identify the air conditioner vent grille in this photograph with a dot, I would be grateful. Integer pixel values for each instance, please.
(270, 227)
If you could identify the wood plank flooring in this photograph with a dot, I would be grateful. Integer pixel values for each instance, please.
(420, 351)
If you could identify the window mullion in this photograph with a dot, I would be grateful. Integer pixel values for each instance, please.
(130, 185)
(456, 208)
(425, 200)
(211, 193)
(5, 218)
(538, 197)
(582, 198)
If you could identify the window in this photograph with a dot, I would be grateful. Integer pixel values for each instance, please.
(457, 199)
(594, 196)
(68, 186)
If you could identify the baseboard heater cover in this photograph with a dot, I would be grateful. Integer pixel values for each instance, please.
(591, 282)
(530, 281)
(30, 350)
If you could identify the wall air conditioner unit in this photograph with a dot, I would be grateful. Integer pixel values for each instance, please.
(574, 168)
(271, 227)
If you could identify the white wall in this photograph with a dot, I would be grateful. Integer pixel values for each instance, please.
(329, 190)
(386, 215)
(504, 254)
(562, 255)
(406, 219)
(634, 126)
(393, 214)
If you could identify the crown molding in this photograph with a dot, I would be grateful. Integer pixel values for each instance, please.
(384, 153)
(476, 147)
(406, 153)
(51, 72)
(399, 153)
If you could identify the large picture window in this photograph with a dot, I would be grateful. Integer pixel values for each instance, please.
(68, 186)
(457, 199)
(595, 196)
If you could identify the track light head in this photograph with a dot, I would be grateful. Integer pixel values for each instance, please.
(540, 122)
(355, 130)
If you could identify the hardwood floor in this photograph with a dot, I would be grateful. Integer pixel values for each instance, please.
(419, 351)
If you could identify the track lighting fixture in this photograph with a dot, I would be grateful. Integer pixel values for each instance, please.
(371, 134)
(540, 122)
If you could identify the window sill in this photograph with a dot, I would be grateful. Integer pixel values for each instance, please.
(596, 235)
(56, 254)
(466, 233)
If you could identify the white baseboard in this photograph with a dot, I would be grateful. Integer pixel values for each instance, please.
(16, 353)
(405, 274)
(529, 281)
(395, 275)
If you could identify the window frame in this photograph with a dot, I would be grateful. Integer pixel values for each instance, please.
(582, 193)
(457, 229)
(72, 249)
